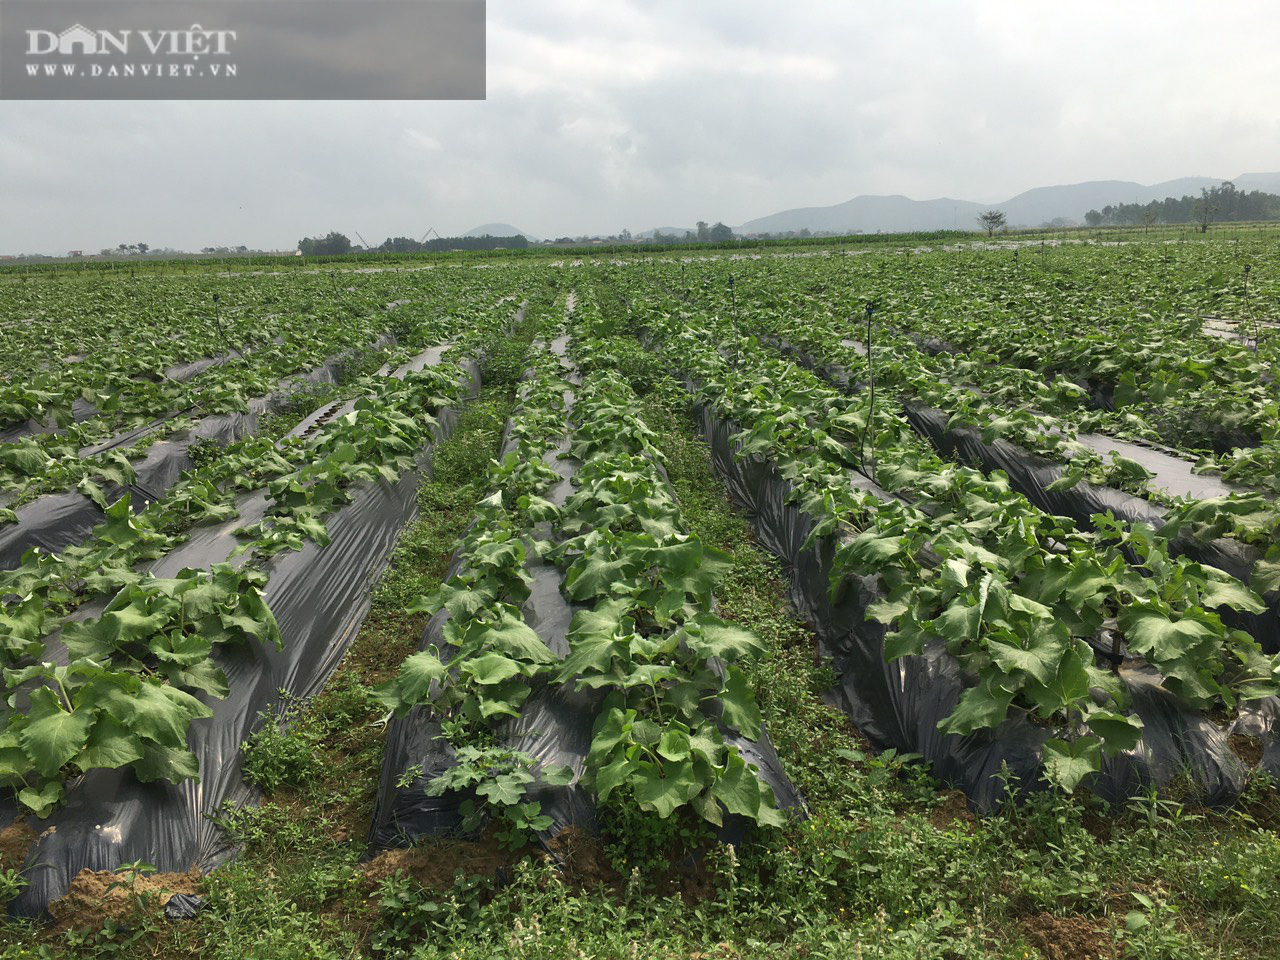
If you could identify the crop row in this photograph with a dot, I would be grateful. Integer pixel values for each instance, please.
(121, 686)
(1039, 615)
(643, 661)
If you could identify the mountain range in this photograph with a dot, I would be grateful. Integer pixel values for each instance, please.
(871, 214)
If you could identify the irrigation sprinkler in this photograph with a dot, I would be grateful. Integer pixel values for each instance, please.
(217, 319)
(871, 408)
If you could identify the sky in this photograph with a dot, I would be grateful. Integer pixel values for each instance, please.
(602, 116)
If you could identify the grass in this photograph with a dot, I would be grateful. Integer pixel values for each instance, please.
(887, 865)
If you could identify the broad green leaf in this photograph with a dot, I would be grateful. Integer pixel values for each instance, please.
(613, 774)
(491, 668)
(554, 776)
(1150, 631)
(110, 745)
(870, 551)
(1039, 659)
(674, 744)
(1224, 591)
(507, 789)
(985, 705)
(1266, 576)
(1066, 764)
(161, 762)
(665, 790)
(1069, 683)
(42, 801)
(712, 637)
(53, 735)
(516, 638)
(412, 685)
(737, 787)
(611, 727)
(1117, 731)
(886, 611)
(739, 702)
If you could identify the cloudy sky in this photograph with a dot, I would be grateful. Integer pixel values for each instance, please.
(605, 115)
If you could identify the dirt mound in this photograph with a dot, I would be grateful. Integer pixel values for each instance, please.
(584, 859)
(98, 895)
(1067, 938)
(955, 806)
(15, 842)
(1247, 748)
(435, 863)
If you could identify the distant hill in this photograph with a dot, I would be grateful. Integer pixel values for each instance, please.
(870, 214)
(499, 230)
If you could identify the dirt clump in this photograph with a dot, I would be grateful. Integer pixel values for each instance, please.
(1247, 748)
(1067, 938)
(96, 896)
(955, 806)
(436, 862)
(583, 858)
(15, 843)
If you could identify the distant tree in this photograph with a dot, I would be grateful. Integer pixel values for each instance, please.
(123, 248)
(991, 221)
(1222, 203)
(704, 232)
(331, 245)
(1204, 209)
(399, 245)
(143, 247)
(720, 233)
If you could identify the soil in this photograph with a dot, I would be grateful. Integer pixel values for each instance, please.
(955, 807)
(434, 864)
(1099, 827)
(689, 879)
(15, 842)
(91, 899)
(1249, 749)
(1067, 938)
(583, 857)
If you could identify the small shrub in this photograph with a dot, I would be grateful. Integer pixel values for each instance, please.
(277, 756)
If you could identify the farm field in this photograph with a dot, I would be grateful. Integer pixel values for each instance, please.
(871, 601)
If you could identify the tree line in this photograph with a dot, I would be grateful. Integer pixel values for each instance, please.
(1215, 204)
(336, 244)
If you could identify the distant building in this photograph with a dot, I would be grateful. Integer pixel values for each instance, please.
(75, 253)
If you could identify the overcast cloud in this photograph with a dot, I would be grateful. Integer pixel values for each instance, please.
(618, 114)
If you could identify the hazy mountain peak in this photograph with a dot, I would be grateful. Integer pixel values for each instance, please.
(499, 230)
(897, 213)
